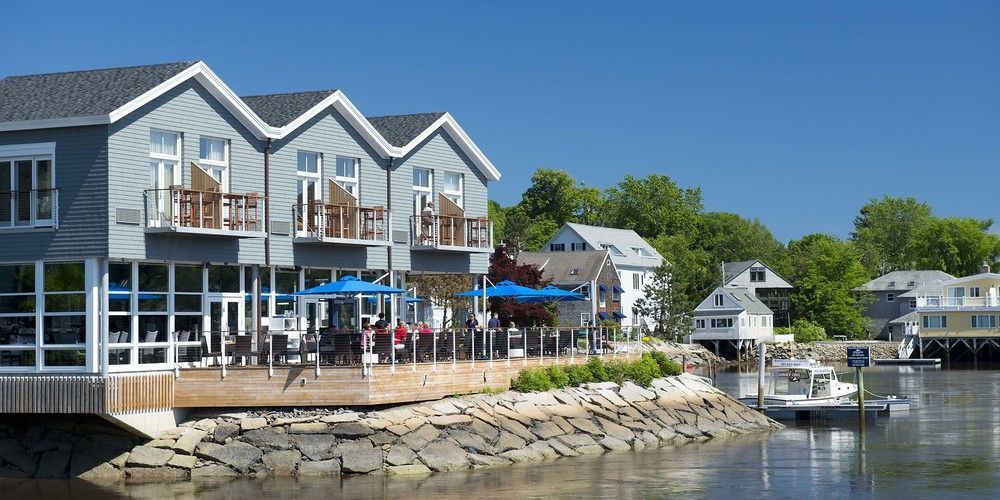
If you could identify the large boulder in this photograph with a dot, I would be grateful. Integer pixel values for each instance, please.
(319, 468)
(282, 462)
(444, 457)
(315, 447)
(189, 440)
(268, 438)
(237, 454)
(351, 430)
(145, 456)
(420, 437)
(359, 457)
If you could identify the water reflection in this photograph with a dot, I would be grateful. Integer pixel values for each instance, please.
(948, 444)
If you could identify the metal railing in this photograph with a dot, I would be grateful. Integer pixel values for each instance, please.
(179, 206)
(416, 346)
(937, 301)
(30, 208)
(328, 220)
(447, 230)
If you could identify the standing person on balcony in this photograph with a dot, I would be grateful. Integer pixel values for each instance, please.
(382, 343)
(494, 322)
(427, 223)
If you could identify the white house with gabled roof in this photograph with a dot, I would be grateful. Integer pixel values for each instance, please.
(632, 256)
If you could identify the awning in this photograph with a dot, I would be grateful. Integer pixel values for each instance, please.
(618, 289)
(604, 288)
(603, 315)
(618, 315)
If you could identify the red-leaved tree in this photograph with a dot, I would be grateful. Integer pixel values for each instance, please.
(504, 267)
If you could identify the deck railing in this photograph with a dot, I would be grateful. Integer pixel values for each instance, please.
(957, 302)
(417, 346)
(329, 220)
(182, 207)
(453, 231)
(114, 394)
(30, 208)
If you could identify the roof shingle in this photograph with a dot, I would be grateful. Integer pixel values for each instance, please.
(400, 130)
(279, 110)
(75, 94)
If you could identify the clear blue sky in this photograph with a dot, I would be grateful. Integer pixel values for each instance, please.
(795, 112)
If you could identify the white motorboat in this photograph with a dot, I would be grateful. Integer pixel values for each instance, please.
(803, 382)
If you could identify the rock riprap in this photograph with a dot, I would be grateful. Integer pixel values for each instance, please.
(458, 433)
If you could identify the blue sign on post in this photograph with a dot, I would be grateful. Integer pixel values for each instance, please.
(858, 357)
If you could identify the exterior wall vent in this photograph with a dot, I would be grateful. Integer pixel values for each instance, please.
(400, 237)
(281, 227)
(128, 216)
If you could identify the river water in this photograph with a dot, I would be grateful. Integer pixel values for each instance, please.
(947, 445)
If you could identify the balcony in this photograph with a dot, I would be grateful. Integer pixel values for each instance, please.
(182, 210)
(937, 302)
(342, 224)
(451, 233)
(36, 208)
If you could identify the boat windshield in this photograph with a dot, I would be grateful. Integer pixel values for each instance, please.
(792, 382)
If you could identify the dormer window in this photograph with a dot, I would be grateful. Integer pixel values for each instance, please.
(574, 272)
(719, 301)
(758, 274)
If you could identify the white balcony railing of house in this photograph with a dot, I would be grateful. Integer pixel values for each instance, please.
(451, 231)
(957, 302)
(182, 209)
(343, 223)
(28, 209)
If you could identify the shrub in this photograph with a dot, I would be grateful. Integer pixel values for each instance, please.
(643, 370)
(532, 379)
(557, 375)
(617, 371)
(807, 331)
(667, 366)
(598, 370)
(577, 375)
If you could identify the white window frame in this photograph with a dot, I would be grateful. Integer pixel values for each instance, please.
(557, 247)
(585, 319)
(34, 152)
(456, 196)
(350, 184)
(718, 300)
(157, 165)
(941, 319)
(913, 303)
(990, 321)
(890, 297)
(421, 191)
(303, 176)
(974, 291)
(212, 165)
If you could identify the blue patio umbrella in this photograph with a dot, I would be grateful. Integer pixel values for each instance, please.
(349, 285)
(552, 294)
(505, 288)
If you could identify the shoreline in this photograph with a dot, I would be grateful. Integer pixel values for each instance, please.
(457, 433)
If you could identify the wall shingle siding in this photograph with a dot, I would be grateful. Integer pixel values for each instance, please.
(81, 162)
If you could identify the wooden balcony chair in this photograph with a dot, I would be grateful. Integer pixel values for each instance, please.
(211, 346)
(308, 344)
(243, 350)
(277, 349)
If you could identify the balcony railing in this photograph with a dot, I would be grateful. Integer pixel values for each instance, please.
(957, 302)
(181, 209)
(436, 231)
(343, 223)
(27, 209)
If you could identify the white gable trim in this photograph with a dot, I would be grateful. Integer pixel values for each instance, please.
(260, 129)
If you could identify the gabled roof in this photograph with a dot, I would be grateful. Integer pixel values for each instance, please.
(74, 94)
(735, 301)
(558, 267)
(400, 130)
(624, 240)
(279, 110)
(904, 280)
(100, 97)
(966, 279)
(731, 270)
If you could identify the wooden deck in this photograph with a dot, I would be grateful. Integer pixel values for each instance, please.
(298, 385)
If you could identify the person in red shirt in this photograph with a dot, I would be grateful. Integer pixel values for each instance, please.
(400, 333)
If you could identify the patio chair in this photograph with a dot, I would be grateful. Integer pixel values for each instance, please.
(243, 349)
(277, 348)
(211, 345)
(184, 336)
(308, 344)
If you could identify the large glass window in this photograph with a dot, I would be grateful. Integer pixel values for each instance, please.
(224, 279)
(153, 284)
(309, 190)
(286, 283)
(164, 160)
(18, 336)
(64, 321)
(120, 331)
(26, 191)
(347, 174)
(453, 187)
(214, 158)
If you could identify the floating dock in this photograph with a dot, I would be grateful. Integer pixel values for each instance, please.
(908, 362)
(849, 411)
